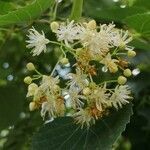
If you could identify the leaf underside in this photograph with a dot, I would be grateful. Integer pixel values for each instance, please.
(64, 134)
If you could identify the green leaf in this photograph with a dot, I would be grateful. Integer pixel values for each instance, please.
(26, 13)
(5, 7)
(141, 44)
(11, 104)
(142, 3)
(112, 14)
(64, 134)
(140, 23)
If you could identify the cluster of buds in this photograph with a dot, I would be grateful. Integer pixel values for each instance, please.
(94, 47)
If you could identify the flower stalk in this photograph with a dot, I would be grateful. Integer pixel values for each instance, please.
(76, 12)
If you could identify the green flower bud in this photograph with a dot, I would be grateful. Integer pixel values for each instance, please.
(64, 61)
(127, 72)
(54, 26)
(32, 106)
(131, 53)
(30, 66)
(28, 80)
(122, 80)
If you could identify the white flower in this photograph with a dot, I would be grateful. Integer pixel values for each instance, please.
(120, 96)
(91, 40)
(68, 33)
(98, 42)
(121, 38)
(37, 41)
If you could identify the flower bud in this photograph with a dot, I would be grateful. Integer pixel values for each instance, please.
(91, 25)
(32, 106)
(122, 80)
(127, 72)
(86, 91)
(28, 80)
(131, 53)
(54, 26)
(64, 61)
(31, 89)
(30, 66)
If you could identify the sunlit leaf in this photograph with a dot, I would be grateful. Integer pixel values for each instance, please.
(140, 23)
(26, 13)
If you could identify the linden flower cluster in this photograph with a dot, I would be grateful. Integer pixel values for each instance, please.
(83, 98)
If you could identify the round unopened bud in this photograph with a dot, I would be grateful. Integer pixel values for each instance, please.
(30, 66)
(131, 53)
(127, 72)
(113, 67)
(32, 106)
(54, 26)
(92, 25)
(122, 80)
(86, 91)
(28, 80)
(64, 61)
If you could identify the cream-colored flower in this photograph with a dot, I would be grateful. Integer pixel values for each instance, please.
(37, 41)
(121, 38)
(75, 98)
(48, 107)
(110, 63)
(50, 84)
(92, 40)
(78, 80)
(120, 96)
(54, 106)
(99, 96)
(84, 117)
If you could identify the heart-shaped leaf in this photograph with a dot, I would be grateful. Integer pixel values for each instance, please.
(64, 134)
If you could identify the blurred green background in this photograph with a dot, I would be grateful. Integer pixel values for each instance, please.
(17, 124)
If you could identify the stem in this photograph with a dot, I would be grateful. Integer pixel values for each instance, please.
(91, 78)
(54, 68)
(63, 51)
(38, 72)
(55, 11)
(110, 81)
(76, 12)
(36, 78)
(69, 49)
